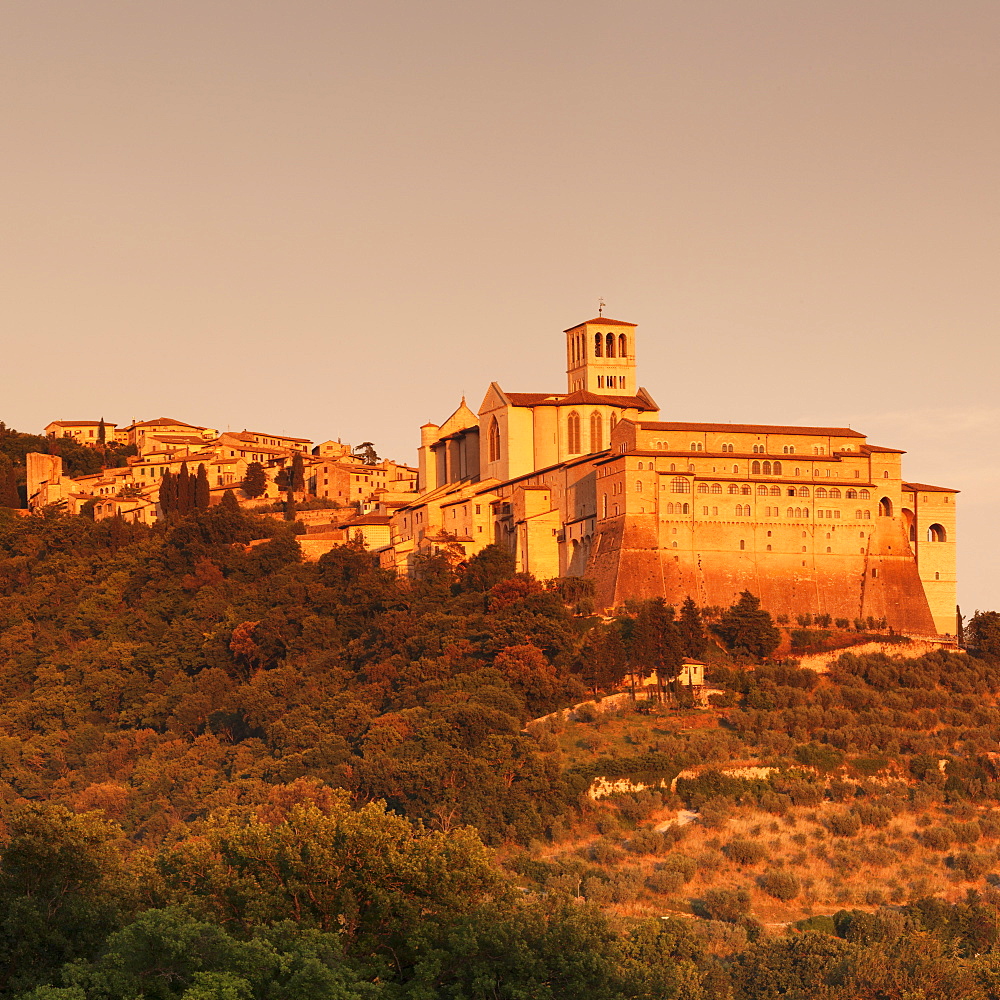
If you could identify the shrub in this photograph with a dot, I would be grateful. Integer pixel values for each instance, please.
(745, 852)
(680, 863)
(780, 885)
(729, 905)
(971, 864)
(844, 824)
(937, 838)
(967, 833)
(665, 882)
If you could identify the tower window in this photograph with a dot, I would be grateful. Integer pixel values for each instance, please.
(622, 345)
(609, 345)
(598, 346)
(494, 441)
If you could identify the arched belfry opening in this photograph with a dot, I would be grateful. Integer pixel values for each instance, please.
(600, 356)
(885, 507)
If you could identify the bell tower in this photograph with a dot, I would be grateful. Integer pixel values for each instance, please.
(600, 357)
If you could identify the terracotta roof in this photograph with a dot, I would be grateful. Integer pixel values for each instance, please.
(581, 398)
(755, 429)
(867, 449)
(925, 488)
(280, 437)
(366, 519)
(166, 422)
(601, 320)
(79, 423)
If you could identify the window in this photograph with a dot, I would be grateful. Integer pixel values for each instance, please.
(733, 488)
(679, 485)
(703, 487)
(821, 493)
(777, 468)
(791, 491)
(696, 446)
(863, 494)
(936, 533)
(852, 494)
(704, 511)
(727, 448)
(622, 345)
(604, 505)
(716, 488)
(599, 351)
(766, 468)
(494, 440)
(835, 494)
(596, 431)
(885, 507)
(743, 544)
(638, 486)
(573, 433)
(789, 449)
(687, 509)
(755, 469)
(762, 491)
(745, 490)
(609, 345)
(885, 475)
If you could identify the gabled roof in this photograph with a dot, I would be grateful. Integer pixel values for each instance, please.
(600, 321)
(925, 488)
(581, 398)
(868, 449)
(754, 429)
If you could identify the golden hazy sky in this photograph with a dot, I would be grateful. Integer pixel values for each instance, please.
(332, 219)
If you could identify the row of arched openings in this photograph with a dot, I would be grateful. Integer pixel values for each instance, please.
(574, 432)
(606, 345)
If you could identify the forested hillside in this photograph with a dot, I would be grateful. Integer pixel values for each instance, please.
(227, 773)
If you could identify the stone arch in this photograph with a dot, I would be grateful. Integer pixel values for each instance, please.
(936, 533)
(885, 507)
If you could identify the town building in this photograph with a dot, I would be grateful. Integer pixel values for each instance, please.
(592, 482)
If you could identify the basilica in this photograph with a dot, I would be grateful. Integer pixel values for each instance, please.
(592, 482)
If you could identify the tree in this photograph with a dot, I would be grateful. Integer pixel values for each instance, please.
(297, 481)
(692, 631)
(255, 481)
(168, 493)
(487, 568)
(9, 496)
(367, 453)
(289, 505)
(983, 632)
(202, 493)
(102, 431)
(656, 642)
(184, 503)
(747, 628)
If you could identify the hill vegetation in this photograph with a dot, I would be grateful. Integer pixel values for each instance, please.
(228, 773)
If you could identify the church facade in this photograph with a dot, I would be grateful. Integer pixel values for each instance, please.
(591, 482)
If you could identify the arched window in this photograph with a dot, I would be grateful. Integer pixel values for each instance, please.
(852, 494)
(777, 468)
(743, 544)
(798, 512)
(762, 491)
(868, 515)
(716, 488)
(573, 433)
(687, 509)
(745, 490)
(835, 494)
(622, 345)
(791, 513)
(733, 488)
(679, 485)
(703, 487)
(736, 469)
(599, 351)
(821, 493)
(863, 494)
(857, 514)
(755, 469)
(494, 440)
(612, 422)
(596, 432)
(609, 345)
(885, 507)
(638, 486)
(936, 533)
(791, 491)
(885, 475)
(766, 468)
(775, 491)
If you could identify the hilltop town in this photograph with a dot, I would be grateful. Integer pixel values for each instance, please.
(590, 482)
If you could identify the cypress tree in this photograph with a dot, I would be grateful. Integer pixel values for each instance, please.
(202, 493)
(692, 632)
(9, 497)
(102, 431)
(255, 481)
(168, 493)
(289, 506)
(298, 481)
(183, 490)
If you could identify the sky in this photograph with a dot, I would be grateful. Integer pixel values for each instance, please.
(333, 219)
